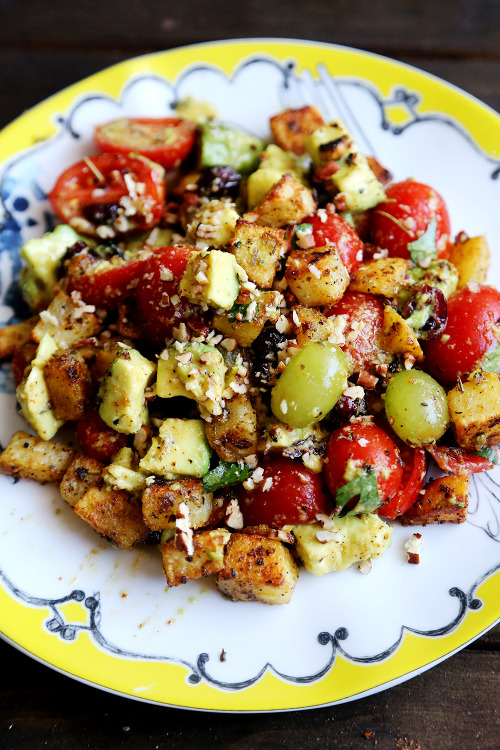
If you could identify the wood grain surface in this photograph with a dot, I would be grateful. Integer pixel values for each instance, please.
(45, 46)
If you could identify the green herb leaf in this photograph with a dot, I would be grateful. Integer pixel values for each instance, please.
(423, 250)
(491, 360)
(225, 475)
(364, 485)
(488, 453)
(237, 309)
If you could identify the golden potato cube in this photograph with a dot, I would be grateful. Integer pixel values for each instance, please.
(445, 501)
(246, 329)
(312, 325)
(386, 276)
(316, 277)
(471, 258)
(207, 558)
(14, 336)
(160, 502)
(70, 386)
(257, 569)
(398, 337)
(258, 249)
(66, 322)
(114, 515)
(30, 457)
(475, 411)
(291, 127)
(288, 202)
(82, 474)
(233, 435)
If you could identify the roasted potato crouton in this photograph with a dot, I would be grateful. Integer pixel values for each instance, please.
(257, 569)
(445, 501)
(386, 276)
(233, 434)
(114, 515)
(475, 411)
(471, 258)
(66, 321)
(257, 249)
(82, 474)
(291, 127)
(316, 277)
(398, 337)
(288, 202)
(311, 325)
(14, 336)
(160, 502)
(208, 557)
(31, 457)
(70, 385)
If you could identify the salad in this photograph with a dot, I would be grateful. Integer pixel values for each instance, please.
(261, 350)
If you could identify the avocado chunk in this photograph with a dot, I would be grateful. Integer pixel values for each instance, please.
(181, 449)
(121, 474)
(197, 372)
(122, 391)
(355, 538)
(221, 145)
(211, 278)
(213, 224)
(354, 177)
(43, 256)
(33, 394)
(274, 163)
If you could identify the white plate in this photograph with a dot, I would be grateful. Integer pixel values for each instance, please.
(104, 616)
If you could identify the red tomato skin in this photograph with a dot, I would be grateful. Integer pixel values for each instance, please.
(79, 188)
(366, 444)
(368, 310)
(295, 497)
(473, 313)
(413, 204)
(168, 155)
(412, 481)
(335, 230)
(96, 439)
(108, 288)
(458, 461)
(156, 313)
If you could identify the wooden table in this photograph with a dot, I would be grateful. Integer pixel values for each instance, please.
(45, 46)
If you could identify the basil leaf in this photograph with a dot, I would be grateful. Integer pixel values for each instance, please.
(423, 250)
(237, 309)
(225, 475)
(364, 485)
(488, 453)
(491, 360)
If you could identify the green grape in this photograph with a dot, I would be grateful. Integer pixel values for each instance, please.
(416, 407)
(310, 385)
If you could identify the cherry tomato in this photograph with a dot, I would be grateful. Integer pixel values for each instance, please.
(295, 496)
(332, 229)
(414, 468)
(110, 286)
(165, 140)
(96, 439)
(405, 215)
(365, 317)
(157, 314)
(458, 461)
(358, 445)
(470, 333)
(110, 195)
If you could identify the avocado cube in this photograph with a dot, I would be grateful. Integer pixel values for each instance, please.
(33, 394)
(274, 163)
(197, 372)
(355, 538)
(181, 449)
(212, 225)
(43, 256)
(122, 391)
(211, 278)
